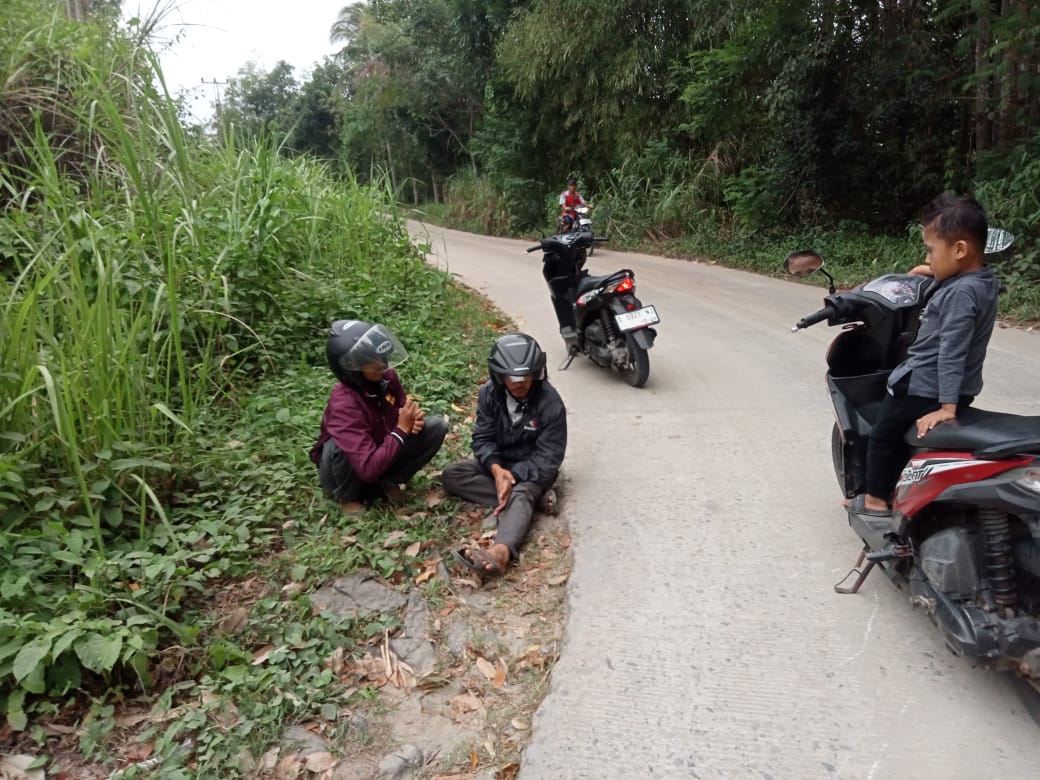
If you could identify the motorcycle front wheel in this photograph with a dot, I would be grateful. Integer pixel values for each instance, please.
(638, 369)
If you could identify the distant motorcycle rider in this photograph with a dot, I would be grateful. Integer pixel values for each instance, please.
(570, 199)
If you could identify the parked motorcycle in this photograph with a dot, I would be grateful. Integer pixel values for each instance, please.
(964, 535)
(599, 316)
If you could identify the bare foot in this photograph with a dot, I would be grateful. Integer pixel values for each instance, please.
(874, 503)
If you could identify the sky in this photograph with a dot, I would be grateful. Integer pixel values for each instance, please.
(217, 37)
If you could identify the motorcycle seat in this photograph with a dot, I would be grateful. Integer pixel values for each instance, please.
(591, 283)
(977, 429)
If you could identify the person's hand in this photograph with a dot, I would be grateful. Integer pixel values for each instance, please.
(420, 420)
(930, 420)
(922, 270)
(504, 481)
(407, 416)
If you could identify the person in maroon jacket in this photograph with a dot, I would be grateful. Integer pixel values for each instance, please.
(373, 437)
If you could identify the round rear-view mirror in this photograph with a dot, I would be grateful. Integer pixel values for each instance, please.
(803, 263)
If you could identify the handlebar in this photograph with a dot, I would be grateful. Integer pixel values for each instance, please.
(600, 238)
(826, 313)
(534, 248)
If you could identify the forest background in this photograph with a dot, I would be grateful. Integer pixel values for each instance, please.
(721, 129)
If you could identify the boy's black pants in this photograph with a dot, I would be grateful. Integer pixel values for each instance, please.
(887, 452)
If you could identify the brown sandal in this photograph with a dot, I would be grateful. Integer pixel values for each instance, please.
(479, 561)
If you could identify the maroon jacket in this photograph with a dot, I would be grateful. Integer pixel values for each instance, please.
(361, 424)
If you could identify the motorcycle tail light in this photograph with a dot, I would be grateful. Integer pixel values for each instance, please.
(1030, 480)
(584, 299)
(630, 307)
(626, 285)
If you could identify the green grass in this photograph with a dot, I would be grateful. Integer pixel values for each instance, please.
(163, 308)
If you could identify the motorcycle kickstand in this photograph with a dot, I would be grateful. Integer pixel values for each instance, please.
(567, 361)
(856, 570)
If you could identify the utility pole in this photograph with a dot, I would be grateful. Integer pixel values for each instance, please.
(216, 92)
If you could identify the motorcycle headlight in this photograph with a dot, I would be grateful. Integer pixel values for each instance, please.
(1030, 479)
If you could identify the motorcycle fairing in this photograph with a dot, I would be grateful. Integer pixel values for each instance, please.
(929, 475)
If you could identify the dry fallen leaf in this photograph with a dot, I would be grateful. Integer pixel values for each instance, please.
(518, 724)
(413, 549)
(474, 759)
(489, 745)
(434, 499)
(458, 408)
(235, 621)
(392, 537)
(465, 703)
(558, 579)
(429, 571)
(508, 772)
(500, 674)
(486, 667)
(17, 768)
(322, 761)
(336, 661)
(262, 654)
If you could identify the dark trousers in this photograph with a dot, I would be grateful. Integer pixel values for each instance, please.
(468, 480)
(887, 452)
(339, 479)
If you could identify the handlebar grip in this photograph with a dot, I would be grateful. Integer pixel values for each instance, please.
(826, 313)
(533, 248)
(600, 238)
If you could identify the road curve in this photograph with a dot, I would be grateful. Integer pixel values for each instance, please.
(703, 637)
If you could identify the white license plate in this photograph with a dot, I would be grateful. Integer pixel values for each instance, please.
(640, 318)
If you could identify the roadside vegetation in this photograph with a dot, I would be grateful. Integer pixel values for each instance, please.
(163, 305)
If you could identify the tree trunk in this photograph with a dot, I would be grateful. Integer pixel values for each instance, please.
(983, 77)
(76, 10)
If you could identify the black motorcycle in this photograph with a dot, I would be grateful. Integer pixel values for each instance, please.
(964, 535)
(599, 316)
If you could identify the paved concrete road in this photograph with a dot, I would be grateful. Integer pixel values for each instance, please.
(703, 638)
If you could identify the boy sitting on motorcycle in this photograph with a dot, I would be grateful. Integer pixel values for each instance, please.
(570, 199)
(942, 372)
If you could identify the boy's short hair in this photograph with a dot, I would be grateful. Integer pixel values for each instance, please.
(957, 219)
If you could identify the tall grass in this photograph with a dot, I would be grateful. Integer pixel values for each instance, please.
(147, 281)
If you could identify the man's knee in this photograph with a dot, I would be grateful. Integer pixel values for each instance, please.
(458, 474)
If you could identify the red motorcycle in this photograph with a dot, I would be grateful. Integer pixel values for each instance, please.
(964, 535)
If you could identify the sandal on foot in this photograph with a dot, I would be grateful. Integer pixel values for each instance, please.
(858, 505)
(547, 502)
(479, 561)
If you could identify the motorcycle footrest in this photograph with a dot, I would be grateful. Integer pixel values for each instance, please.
(890, 552)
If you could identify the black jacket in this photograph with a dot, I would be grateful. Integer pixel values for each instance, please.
(532, 449)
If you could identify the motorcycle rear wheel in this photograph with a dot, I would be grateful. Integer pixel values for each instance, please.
(638, 370)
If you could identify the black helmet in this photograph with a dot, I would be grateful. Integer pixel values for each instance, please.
(354, 344)
(516, 355)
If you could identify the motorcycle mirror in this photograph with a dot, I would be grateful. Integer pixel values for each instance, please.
(997, 240)
(803, 263)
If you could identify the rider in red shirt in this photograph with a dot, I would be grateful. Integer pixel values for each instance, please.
(570, 199)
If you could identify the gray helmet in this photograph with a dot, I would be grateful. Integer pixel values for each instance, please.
(516, 355)
(354, 344)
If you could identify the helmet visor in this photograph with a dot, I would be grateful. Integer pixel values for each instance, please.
(378, 348)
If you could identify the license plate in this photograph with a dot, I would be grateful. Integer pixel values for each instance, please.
(640, 318)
